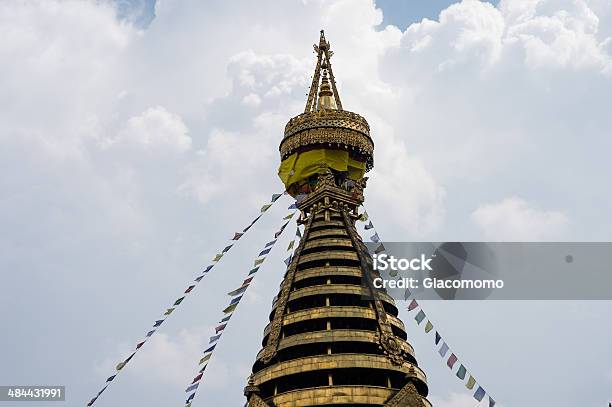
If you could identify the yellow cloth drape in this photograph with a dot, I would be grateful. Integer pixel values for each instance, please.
(356, 169)
(298, 167)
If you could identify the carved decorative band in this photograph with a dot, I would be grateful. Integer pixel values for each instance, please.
(322, 135)
(327, 118)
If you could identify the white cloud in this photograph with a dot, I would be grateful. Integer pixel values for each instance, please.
(402, 189)
(156, 129)
(486, 102)
(515, 219)
(162, 359)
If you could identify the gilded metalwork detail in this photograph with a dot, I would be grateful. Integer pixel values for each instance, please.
(406, 397)
(251, 391)
(329, 136)
(256, 401)
(333, 338)
(340, 335)
(336, 395)
(281, 303)
(333, 361)
(336, 289)
(327, 118)
(324, 54)
(388, 342)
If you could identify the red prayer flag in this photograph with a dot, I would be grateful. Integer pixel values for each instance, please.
(451, 360)
(140, 344)
(198, 377)
(413, 305)
(247, 281)
(188, 290)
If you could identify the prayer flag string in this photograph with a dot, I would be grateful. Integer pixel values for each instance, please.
(237, 296)
(451, 360)
(187, 291)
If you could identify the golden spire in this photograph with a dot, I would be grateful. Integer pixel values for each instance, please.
(333, 338)
(326, 100)
(329, 94)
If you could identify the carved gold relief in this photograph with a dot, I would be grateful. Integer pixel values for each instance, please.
(406, 397)
(327, 118)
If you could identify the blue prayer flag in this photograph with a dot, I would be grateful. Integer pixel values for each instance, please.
(480, 393)
(443, 349)
(192, 387)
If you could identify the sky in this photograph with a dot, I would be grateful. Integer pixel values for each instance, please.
(136, 138)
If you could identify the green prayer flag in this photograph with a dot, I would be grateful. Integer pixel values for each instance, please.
(288, 216)
(253, 271)
(461, 372)
(428, 327)
(471, 383)
(291, 245)
(420, 317)
(177, 302)
(230, 308)
(265, 208)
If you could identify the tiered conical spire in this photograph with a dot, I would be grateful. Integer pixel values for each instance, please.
(324, 55)
(333, 339)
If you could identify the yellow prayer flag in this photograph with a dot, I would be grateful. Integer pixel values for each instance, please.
(288, 216)
(230, 308)
(428, 327)
(169, 311)
(218, 257)
(265, 208)
(471, 382)
(259, 261)
(291, 245)
(205, 358)
(120, 365)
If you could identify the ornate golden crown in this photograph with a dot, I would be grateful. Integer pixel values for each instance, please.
(324, 123)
